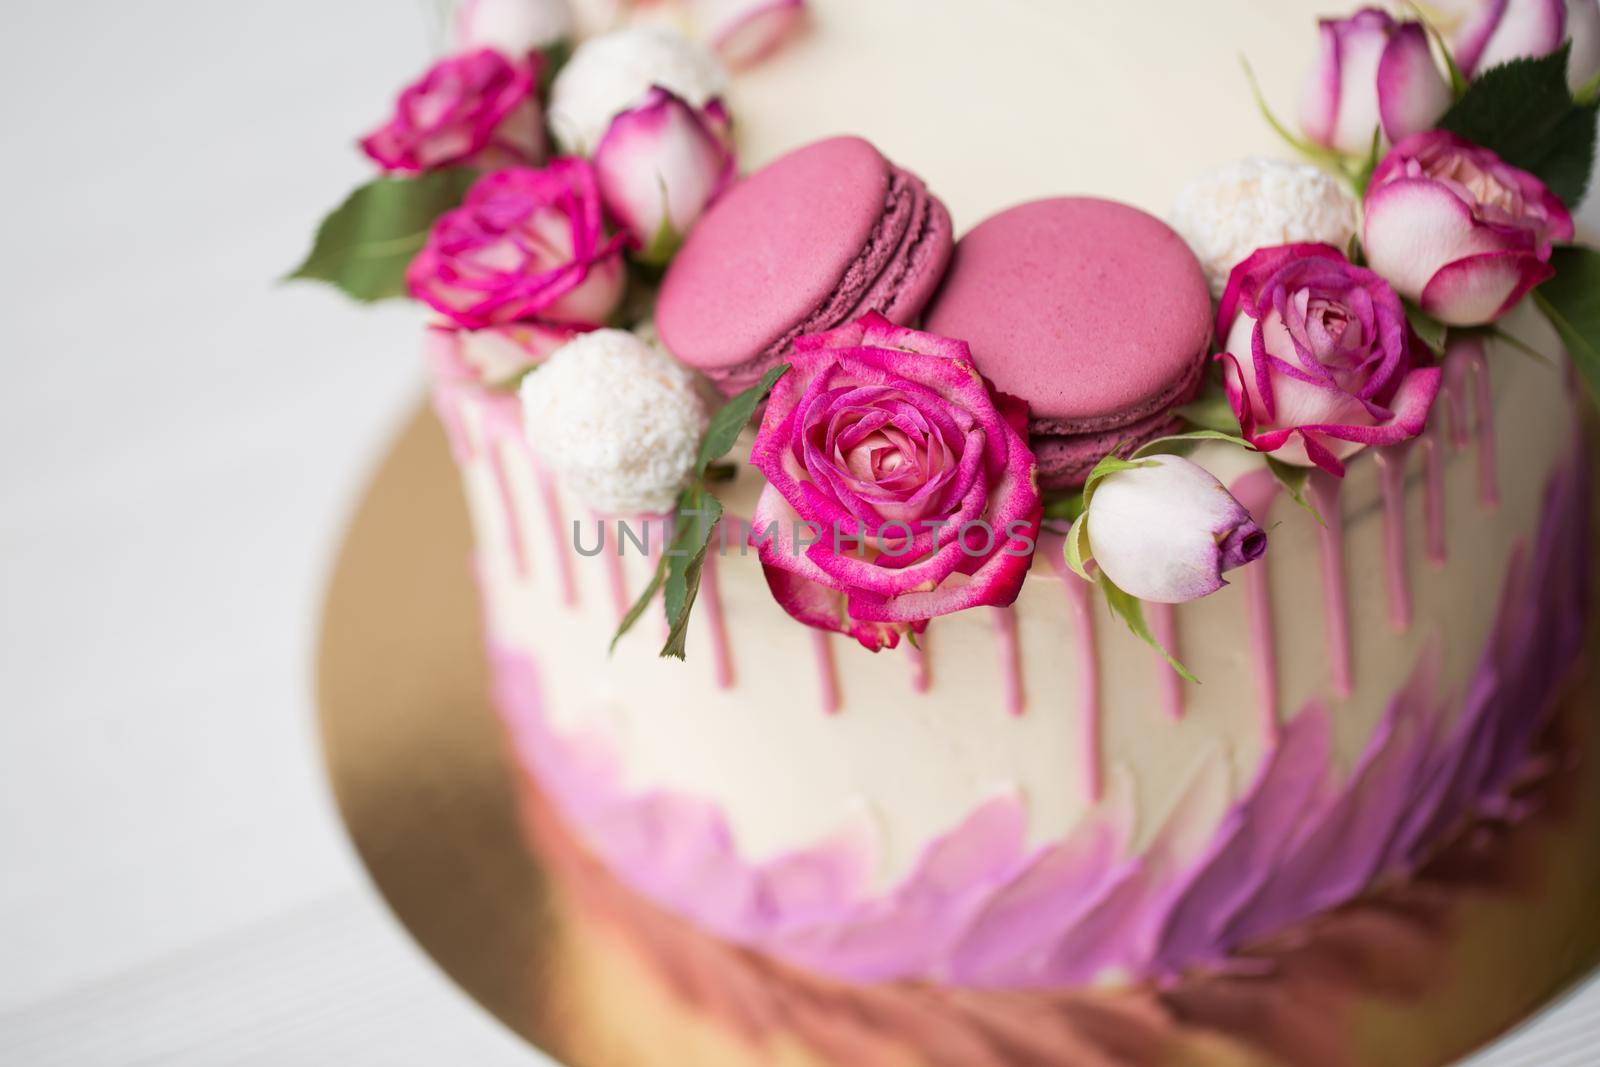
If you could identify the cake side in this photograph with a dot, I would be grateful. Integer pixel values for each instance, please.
(789, 790)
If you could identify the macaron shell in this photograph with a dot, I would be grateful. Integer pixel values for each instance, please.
(771, 251)
(908, 279)
(1065, 460)
(1095, 313)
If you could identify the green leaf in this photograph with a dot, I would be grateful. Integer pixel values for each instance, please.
(1524, 112)
(1430, 329)
(365, 245)
(1571, 301)
(1131, 611)
(636, 612)
(686, 560)
(1210, 410)
(1181, 444)
(1063, 507)
(1077, 547)
(1294, 480)
(723, 429)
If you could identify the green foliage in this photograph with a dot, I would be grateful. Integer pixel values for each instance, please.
(364, 246)
(1571, 301)
(1525, 113)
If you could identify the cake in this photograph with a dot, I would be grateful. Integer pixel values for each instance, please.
(1291, 561)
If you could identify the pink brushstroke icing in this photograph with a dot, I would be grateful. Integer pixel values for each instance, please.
(1392, 484)
(1488, 465)
(982, 907)
(1080, 605)
(515, 543)
(1164, 625)
(710, 602)
(1005, 641)
(611, 552)
(1257, 491)
(551, 502)
(1466, 367)
(1325, 492)
(827, 672)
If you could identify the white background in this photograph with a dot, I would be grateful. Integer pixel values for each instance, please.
(180, 442)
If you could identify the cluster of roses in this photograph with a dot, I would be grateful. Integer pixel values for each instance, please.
(535, 251)
(1319, 355)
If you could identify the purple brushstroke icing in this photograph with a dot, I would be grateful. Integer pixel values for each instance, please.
(981, 908)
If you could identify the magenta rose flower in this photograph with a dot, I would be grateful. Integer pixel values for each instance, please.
(1318, 360)
(1372, 72)
(1499, 31)
(478, 109)
(899, 485)
(1458, 230)
(525, 244)
(660, 165)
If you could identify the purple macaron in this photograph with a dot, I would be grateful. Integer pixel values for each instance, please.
(813, 240)
(1095, 313)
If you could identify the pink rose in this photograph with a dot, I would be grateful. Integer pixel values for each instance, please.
(660, 165)
(1372, 72)
(494, 355)
(1458, 230)
(1502, 30)
(526, 244)
(478, 109)
(1318, 362)
(744, 32)
(899, 486)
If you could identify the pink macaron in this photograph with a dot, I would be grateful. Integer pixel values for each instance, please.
(815, 239)
(1093, 312)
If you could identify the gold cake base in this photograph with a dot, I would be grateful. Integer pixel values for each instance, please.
(598, 978)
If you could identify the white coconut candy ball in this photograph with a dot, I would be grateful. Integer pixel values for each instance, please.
(617, 419)
(611, 73)
(1257, 202)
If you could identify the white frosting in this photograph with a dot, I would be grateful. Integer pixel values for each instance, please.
(1229, 212)
(611, 73)
(1080, 98)
(617, 418)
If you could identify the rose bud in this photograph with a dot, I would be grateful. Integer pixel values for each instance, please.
(744, 32)
(1318, 360)
(614, 72)
(514, 27)
(1500, 31)
(899, 486)
(659, 166)
(1458, 230)
(1228, 213)
(1372, 72)
(1167, 533)
(478, 109)
(525, 244)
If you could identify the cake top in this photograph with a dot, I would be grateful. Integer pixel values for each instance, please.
(1092, 311)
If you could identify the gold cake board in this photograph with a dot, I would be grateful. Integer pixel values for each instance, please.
(427, 790)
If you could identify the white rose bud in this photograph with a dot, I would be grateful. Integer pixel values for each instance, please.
(1167, 533)
(514, 27)
(617, 419)
(1228, 213)
(613, 73)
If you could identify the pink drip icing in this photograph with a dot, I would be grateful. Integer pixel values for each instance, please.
(1257, 491)
(1080, 606)
(1488, 466)
(711, 605)
(1164, 625)
(1005, 639)
(1392, 482)
(1325, 495)
(918, 654)
(552, 512)
(1433, 496)
(615, 576)
(508, 504)
(827, 673)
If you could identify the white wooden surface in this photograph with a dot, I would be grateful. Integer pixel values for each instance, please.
(180, 440)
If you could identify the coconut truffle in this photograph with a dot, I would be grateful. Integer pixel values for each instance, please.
(1230, 212)
(617, 419)
(611, 73)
